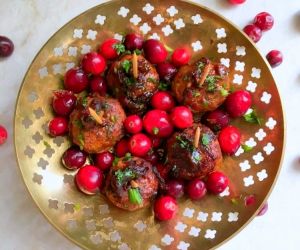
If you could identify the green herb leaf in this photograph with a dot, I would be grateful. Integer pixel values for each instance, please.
(115, 162)
(151, 79)
(121, 175)
(129, 81)
(46, 144)
(126, 65)
(246, 148)
(224, 92)
(205, 139)
(137, 52)
(119, 48)
(252, 118)
(184, 143)
(196, 157)
(135, 196)
(195, 93)
(163, 86)
(200, 65)
(211, 82)
(81, 141)
(155, 130)
(127, 157)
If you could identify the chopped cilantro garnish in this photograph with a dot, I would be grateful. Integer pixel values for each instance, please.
(163, 86)
(121, 175)
(116, 160)
(195, 93)
(184, 143)
(81, 140)
(137, 52)
(205, 139)
(119, 48)
(211, 82)
(84, 101)
(127, 157)
(46, 144)
(151, 79)
(196, 156)
(252, 118)
(246, 148)
(135, 196)
(224, 92)
(200, 65)
(129, 81)
(126, 65)
(155, 130)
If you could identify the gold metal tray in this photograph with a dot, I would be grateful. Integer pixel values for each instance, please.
(91, 222)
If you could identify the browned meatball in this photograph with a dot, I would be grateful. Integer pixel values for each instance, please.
(189, 162)
(133, 93)
(96, 124)
(131, 183)
(202, 86)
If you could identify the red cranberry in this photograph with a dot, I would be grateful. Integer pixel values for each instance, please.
(181, 56)
(98, 85)
(182, 117)
(253, 32)
(238, 103)
(216, 119)
(63, 102)
(263, 210)
(230, 140)
(156, 141)
(73, 158)
(104, 160)
(250, 200)
(58, 126)
(152, 157)
(89, 179)
(139, 145)
(133, 124)
(217, 182)
(196, 189)
(275, 58)
(157, 123)
(175, 188)
(3, 135)
(6, 46)
(236, 1)
(165, 208)
(93, 63)
(109, 50)
(166, 71)
(76, 80)
(155, 51)
(162, 100)
(264, 21)
(133, 41)
(163, 170)
(122, 148)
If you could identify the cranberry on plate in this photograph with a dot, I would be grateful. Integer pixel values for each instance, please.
(6, 46)
(111, 48)
(216, 119)
(73, 158)
(76, 80)
(196, 189)
(264, 21)
(236, 1)
(133, 41)
(162, 100)
(98, 85)
(89, 179)
(275, 58)
(93, 63)
(217, 182)
(104, 160)
(175, 188)
(133, 124)
(122, 148)
(166, 71)
(155, 51)
(238, 103)
(63, 102)
(157, 123)
(229, 140)
(139, 145)
(181, 56)
(253, 32)
(58, 126)
(165, 208)
(182, 117)
(3, 135)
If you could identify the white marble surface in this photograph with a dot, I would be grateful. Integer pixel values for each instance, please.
(29, 23)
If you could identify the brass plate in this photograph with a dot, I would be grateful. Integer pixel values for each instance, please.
(91, 222)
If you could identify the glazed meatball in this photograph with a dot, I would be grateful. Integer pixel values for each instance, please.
(202, 86)
(133, 93)
(188, 160)
(96, 123)
(131, 183)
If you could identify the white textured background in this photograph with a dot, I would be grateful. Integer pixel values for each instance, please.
(29, 23)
